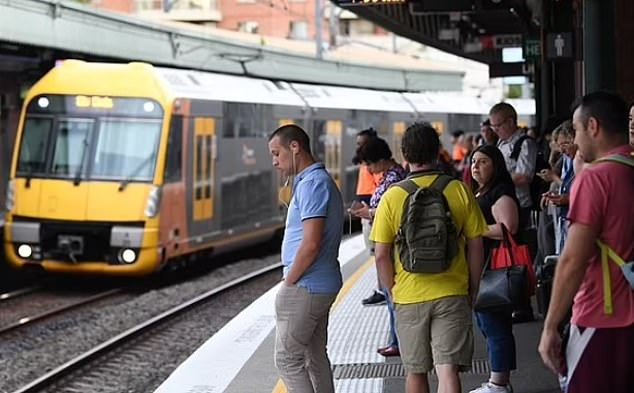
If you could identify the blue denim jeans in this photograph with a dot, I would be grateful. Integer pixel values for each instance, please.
(497, 328)
(390, 309)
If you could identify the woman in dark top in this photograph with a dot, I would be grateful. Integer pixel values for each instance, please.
(495, 194)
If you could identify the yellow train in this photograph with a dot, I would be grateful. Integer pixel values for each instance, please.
(122, 169)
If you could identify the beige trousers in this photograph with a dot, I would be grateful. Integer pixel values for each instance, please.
(301, 336)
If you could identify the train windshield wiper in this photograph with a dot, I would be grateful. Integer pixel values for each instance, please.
(136, 171)
(77, 178)
(29, 175)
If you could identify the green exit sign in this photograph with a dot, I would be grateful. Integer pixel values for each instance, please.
(532, 49)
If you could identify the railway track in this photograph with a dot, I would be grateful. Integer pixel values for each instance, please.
(17, 293)
(142, 338)
(36, 316)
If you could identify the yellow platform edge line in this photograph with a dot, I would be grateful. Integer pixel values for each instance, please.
(347, 286)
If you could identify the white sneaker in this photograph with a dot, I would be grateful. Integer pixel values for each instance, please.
(488, 387)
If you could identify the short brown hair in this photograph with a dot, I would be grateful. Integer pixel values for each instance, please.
(420, 144)
(292, 132)
(505, 109)
(565, 129)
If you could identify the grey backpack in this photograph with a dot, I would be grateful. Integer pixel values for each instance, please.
(427, 238)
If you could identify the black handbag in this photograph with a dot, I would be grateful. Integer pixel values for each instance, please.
(502, 289)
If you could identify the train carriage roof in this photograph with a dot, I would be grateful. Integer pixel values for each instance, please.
(219, 87)
(447, 103)
(321, 96)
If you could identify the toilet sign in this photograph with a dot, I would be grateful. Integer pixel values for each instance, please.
(559, 46)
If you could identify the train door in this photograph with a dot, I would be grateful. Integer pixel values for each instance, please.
(201, 180)
(204, 150)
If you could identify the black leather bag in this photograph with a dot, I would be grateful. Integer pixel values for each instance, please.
(502, 289)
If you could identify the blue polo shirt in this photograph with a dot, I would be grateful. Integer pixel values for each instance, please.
(315, 194)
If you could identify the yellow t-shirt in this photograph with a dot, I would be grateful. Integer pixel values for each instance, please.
(420, 287)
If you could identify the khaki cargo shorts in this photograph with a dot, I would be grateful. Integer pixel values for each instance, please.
(434, 333)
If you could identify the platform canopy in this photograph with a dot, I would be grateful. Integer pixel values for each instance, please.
(45, 30)
(475, 29)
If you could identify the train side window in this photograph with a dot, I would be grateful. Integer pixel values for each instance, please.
(246, 120)
(173, 162)
(318, 140)
(231, 117)
(35, 137)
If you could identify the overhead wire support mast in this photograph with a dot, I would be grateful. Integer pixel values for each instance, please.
(318, 38)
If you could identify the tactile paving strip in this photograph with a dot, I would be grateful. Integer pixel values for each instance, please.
(356, 331)
(392, 370)
(359, 385)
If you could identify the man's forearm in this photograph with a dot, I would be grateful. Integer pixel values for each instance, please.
(475, 258)
(385, 268)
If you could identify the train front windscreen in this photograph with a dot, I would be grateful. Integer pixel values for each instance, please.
(90, 138)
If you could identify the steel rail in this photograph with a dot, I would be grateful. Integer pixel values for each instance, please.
(18, 292)
(38, 317)
(85, 358)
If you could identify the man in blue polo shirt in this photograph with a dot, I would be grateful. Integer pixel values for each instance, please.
(312, 277)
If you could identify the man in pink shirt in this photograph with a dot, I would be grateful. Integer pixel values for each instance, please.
(600, 351)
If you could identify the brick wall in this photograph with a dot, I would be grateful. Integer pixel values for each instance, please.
(115, 5)
(273, 17)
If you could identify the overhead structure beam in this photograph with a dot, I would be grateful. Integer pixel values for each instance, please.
(468, 28)
(67, 29)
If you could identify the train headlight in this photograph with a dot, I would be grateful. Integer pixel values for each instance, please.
(153, 202)
(148, 106)
(43, 102)
(10, 199)
(127, 255)
(25, 251)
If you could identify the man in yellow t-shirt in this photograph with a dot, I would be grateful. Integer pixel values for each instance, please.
(432, 310)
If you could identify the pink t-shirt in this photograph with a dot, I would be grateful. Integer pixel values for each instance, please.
(602, 197)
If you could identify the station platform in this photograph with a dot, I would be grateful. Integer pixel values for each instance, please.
(239, 357)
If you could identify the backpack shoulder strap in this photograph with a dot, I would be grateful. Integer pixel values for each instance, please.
(441, 182)
(517, 147)
(408, 185)
(606, 254)
(619, 158)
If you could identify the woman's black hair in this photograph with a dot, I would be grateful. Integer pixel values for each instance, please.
(375, 150)
(369, 132)
(501, 175)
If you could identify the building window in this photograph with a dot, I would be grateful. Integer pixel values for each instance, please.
(149, 5)
(248, 27)
(344, 27)
(361, 27)
(156, 5)
(298, 30)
